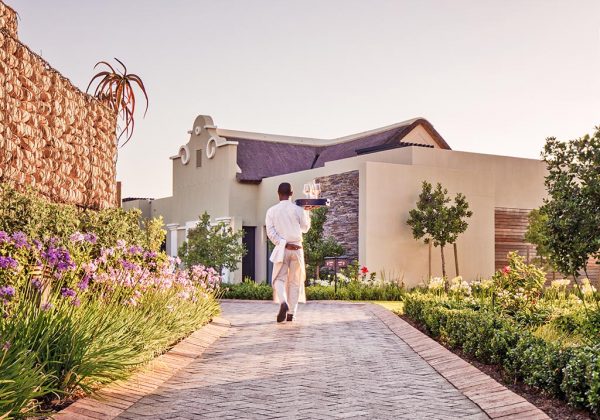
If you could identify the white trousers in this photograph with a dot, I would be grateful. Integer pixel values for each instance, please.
(289, 280)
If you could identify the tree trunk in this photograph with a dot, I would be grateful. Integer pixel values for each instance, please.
(429, 260)
(456, 260)
(318, 272)
(444, 266)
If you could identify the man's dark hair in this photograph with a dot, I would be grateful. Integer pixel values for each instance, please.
(284, 189)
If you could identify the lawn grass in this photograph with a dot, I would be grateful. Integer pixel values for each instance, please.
(393, 305)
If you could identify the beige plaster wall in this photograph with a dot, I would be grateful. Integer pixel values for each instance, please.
(517, 182)
(392, 191)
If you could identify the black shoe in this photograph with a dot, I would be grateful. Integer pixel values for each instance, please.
(283, 308)
(289, 318)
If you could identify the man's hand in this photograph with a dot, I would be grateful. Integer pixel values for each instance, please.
(292, 247)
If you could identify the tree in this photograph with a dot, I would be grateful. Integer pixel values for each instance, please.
(216, 246)
(537, 235)
(317, 248)
(435, 220)
(572, 224)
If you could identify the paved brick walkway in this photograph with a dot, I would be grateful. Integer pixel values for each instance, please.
(336, 361)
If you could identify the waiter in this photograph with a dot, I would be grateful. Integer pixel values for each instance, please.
(286, 222)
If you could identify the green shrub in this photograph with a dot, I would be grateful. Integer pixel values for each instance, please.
(318, 292)
(34, 215)
(571, 373)
(350, 291)
(247, 290)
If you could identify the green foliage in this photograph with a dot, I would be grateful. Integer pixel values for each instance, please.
(565, 371)
(536, 234)
(77, 311)
(248, 290)
(316, 247)
(518, 285)
(38, 218)
(69, 348)
(435, 220)
(155, 234)
(216, 246)
(351, 291)
(571, 226)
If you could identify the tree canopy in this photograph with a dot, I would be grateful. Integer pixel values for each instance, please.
(216, 246)
(571, 212)
(316, 247)
(436, 220)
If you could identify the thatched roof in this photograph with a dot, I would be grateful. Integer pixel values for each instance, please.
(260, 159)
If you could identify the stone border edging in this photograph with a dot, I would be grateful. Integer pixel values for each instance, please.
(118, 396)
(497, 401)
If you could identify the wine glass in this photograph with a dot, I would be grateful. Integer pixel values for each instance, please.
(317, 190)
(306, 190)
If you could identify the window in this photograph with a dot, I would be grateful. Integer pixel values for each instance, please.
(198, 158)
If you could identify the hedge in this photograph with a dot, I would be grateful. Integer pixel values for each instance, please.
(352, 291)
(571, 373)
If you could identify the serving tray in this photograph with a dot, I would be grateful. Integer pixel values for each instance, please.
(313, 202)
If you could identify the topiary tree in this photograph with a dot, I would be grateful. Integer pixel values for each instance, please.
(572, 223)
(216, 246)
(316, 247)
(435, 220)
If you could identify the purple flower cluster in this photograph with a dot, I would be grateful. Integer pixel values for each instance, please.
(8, 262)
(4, 237)
(89, 237)
(19, 240)
(7, 292)
(66, 292)
(85, 282)
(135, 249)
(128, 265)
(36, 283)
(58, 258)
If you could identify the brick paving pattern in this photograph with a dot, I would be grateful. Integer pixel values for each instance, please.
(335, 361)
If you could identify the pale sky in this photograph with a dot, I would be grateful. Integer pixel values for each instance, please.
(492, 76)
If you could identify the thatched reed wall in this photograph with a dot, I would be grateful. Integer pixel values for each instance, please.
(53, 137)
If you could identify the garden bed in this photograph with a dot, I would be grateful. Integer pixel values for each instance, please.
(85, 299)
(553, 407)
(544, 342)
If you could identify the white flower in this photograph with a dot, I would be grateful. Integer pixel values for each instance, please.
(587, 288)
(436, 283)
(460, 286)
(557, 284)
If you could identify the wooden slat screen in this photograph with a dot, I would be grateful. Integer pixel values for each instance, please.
(510, 227)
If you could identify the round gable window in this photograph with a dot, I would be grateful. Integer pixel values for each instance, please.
(184, 154)
(211, 148)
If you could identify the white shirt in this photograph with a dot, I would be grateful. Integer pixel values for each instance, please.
(286, 222)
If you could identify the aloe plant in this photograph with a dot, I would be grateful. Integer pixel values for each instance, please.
(116, 89)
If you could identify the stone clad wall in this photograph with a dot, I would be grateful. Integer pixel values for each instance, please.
(53, 137)
(342, 218)
(8, 19)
